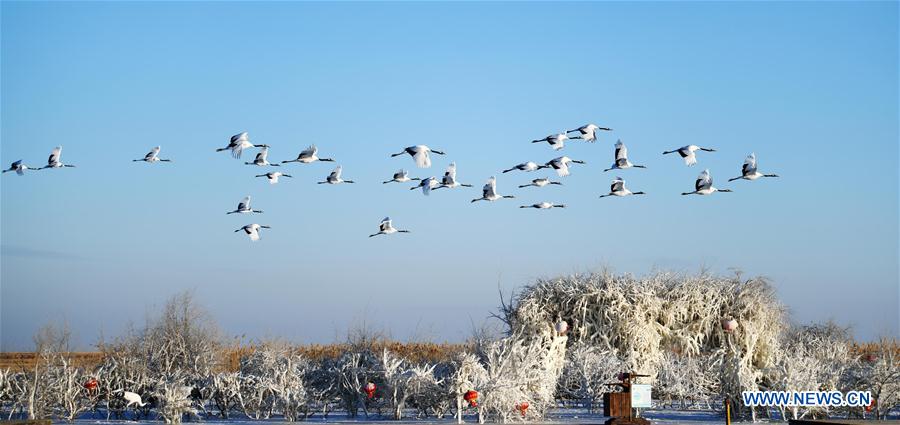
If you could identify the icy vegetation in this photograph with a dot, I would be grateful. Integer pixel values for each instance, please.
(702, 339)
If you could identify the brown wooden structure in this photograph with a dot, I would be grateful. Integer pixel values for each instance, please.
(617, 405)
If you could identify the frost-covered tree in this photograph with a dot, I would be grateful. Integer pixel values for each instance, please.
(173, 399)
(13, 392)
(393, 378)
(428, 390)
(639, 319)
(878, 372)
(812, 358)
(49, 374)
(467, 374)
(8, 393)
(278, 374)
(184, 339)
(520, 369)
(351, 372)
(267, 377)
(66, 388)
(686, 379)
(225, 389)
(586, 372)
(323, 390)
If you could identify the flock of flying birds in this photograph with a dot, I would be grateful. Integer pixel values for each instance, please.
(421, 154)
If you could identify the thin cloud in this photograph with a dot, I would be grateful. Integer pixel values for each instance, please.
(25, 252)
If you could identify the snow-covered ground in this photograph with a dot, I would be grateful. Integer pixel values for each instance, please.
(565, 416)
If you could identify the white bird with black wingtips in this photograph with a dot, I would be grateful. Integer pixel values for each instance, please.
(561, 165)
(421, 154)
(449, 180)
(622, 161)
(335, 177)
(261, 159)
(540, 183)
(543, 205)
(427, 185)
(386, 228)
(749, 171)
(401, 176)
(618, 189)
(309, 155)
(18, 167)
(252, 230)
(689, 153)
(556, 141)
(489, 192)
(54, 162)
(152, 156)
(704, 185)
(273, 176)
(525, 166)
(237, 144)
(588, 133)
(244, 207)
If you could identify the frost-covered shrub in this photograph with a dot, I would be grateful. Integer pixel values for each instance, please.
(878, 371)
(66, 391)
(687, 380)
(13, 387)
(393, 377)
(272, 379)
(520, 369)
(639, 319)
(173, 400)
(184, 340)
(428, 390)
(226, 392)
(586, 371)
(466, 374)
(322, 389)
(351, 372)
(812, 358)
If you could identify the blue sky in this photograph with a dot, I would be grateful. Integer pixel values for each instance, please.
(811, 88)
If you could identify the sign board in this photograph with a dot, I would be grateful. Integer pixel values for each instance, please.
(640, 395)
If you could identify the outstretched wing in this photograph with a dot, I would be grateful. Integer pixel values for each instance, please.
(54, 156)
(385, 224)
(451, 171)
(617, 185)
(244, 204)
(621, 151)
(336, 174)
(262, 154)
(561, 165)
(450, 175)
(152, 154)
(237, 138)
(749, 165)
(490, 189)
(704, 181)
(309, 152)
